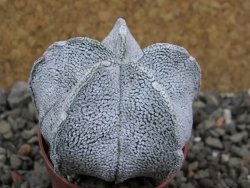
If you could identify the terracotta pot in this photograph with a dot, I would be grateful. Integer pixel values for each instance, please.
(61, 182)
(168, 181)
(57, 181)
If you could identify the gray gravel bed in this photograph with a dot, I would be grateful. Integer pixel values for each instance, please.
(218, 155)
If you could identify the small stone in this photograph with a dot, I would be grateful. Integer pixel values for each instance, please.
(28, 133)
(24, 158)
(237, 103)
(190, 173)
(15, 162)
(244, 172)
(220, 121)
(234, 162)
(14, 126)
(193, 166)
(14, 113)
(215, 153)
(19, 94)
(33, 140)
(214, 133)
(3, 100)
(32, 111)
(214, 142)
(2, 151)
(24, 185)
(197, 139)
(245, 183)
(197, 147)
(38, 166)
(21, 172)
(181, 177)
(230, 182)
(208, 124)
(242, 118)
(241, 127)
(6, 178)
(199, 116)
(246, 101)
(220, 131)
(11, 148)
(3, 97)
(188, 185)
(206, 183)
(25, 149)
(4, 127)
(227, 95)
(211, 99)
(38, 177)
(34, 151)
(21, 123)
(216, 114)
(230, 129)
(232, 173)
(198, 105)
(227, 116)
(201, 174)
(225, 158)
(2, 159)
(16, 178)
(32, 125)
(8, 135)
(239, 151)
(237, 137)
(27, 164)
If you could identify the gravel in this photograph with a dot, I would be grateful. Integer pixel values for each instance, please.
(5, 127)
(237, 138)
(218, 156)
(214, 143)
(15, 162)
(18, 95)
(38, 177)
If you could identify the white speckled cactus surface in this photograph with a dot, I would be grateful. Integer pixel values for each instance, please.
(112, 110)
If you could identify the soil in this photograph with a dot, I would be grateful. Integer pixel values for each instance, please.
(215, 32)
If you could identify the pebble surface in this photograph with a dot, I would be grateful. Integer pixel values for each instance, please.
(218, 155)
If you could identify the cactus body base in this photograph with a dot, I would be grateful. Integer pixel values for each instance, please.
(59, 181)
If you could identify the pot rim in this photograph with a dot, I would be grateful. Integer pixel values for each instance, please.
(53, 175)
(56, 179)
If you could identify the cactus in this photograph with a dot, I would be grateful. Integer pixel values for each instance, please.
(112, 110)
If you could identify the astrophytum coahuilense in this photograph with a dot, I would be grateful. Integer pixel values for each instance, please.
(112, 110)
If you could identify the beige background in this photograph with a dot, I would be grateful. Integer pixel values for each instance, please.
(216, 32)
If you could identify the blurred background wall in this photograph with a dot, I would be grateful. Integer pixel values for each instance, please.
(215, 32)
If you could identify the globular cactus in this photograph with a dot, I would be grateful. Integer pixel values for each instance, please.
(111, 110)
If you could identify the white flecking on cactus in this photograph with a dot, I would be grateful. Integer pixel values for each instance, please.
(113, 110)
